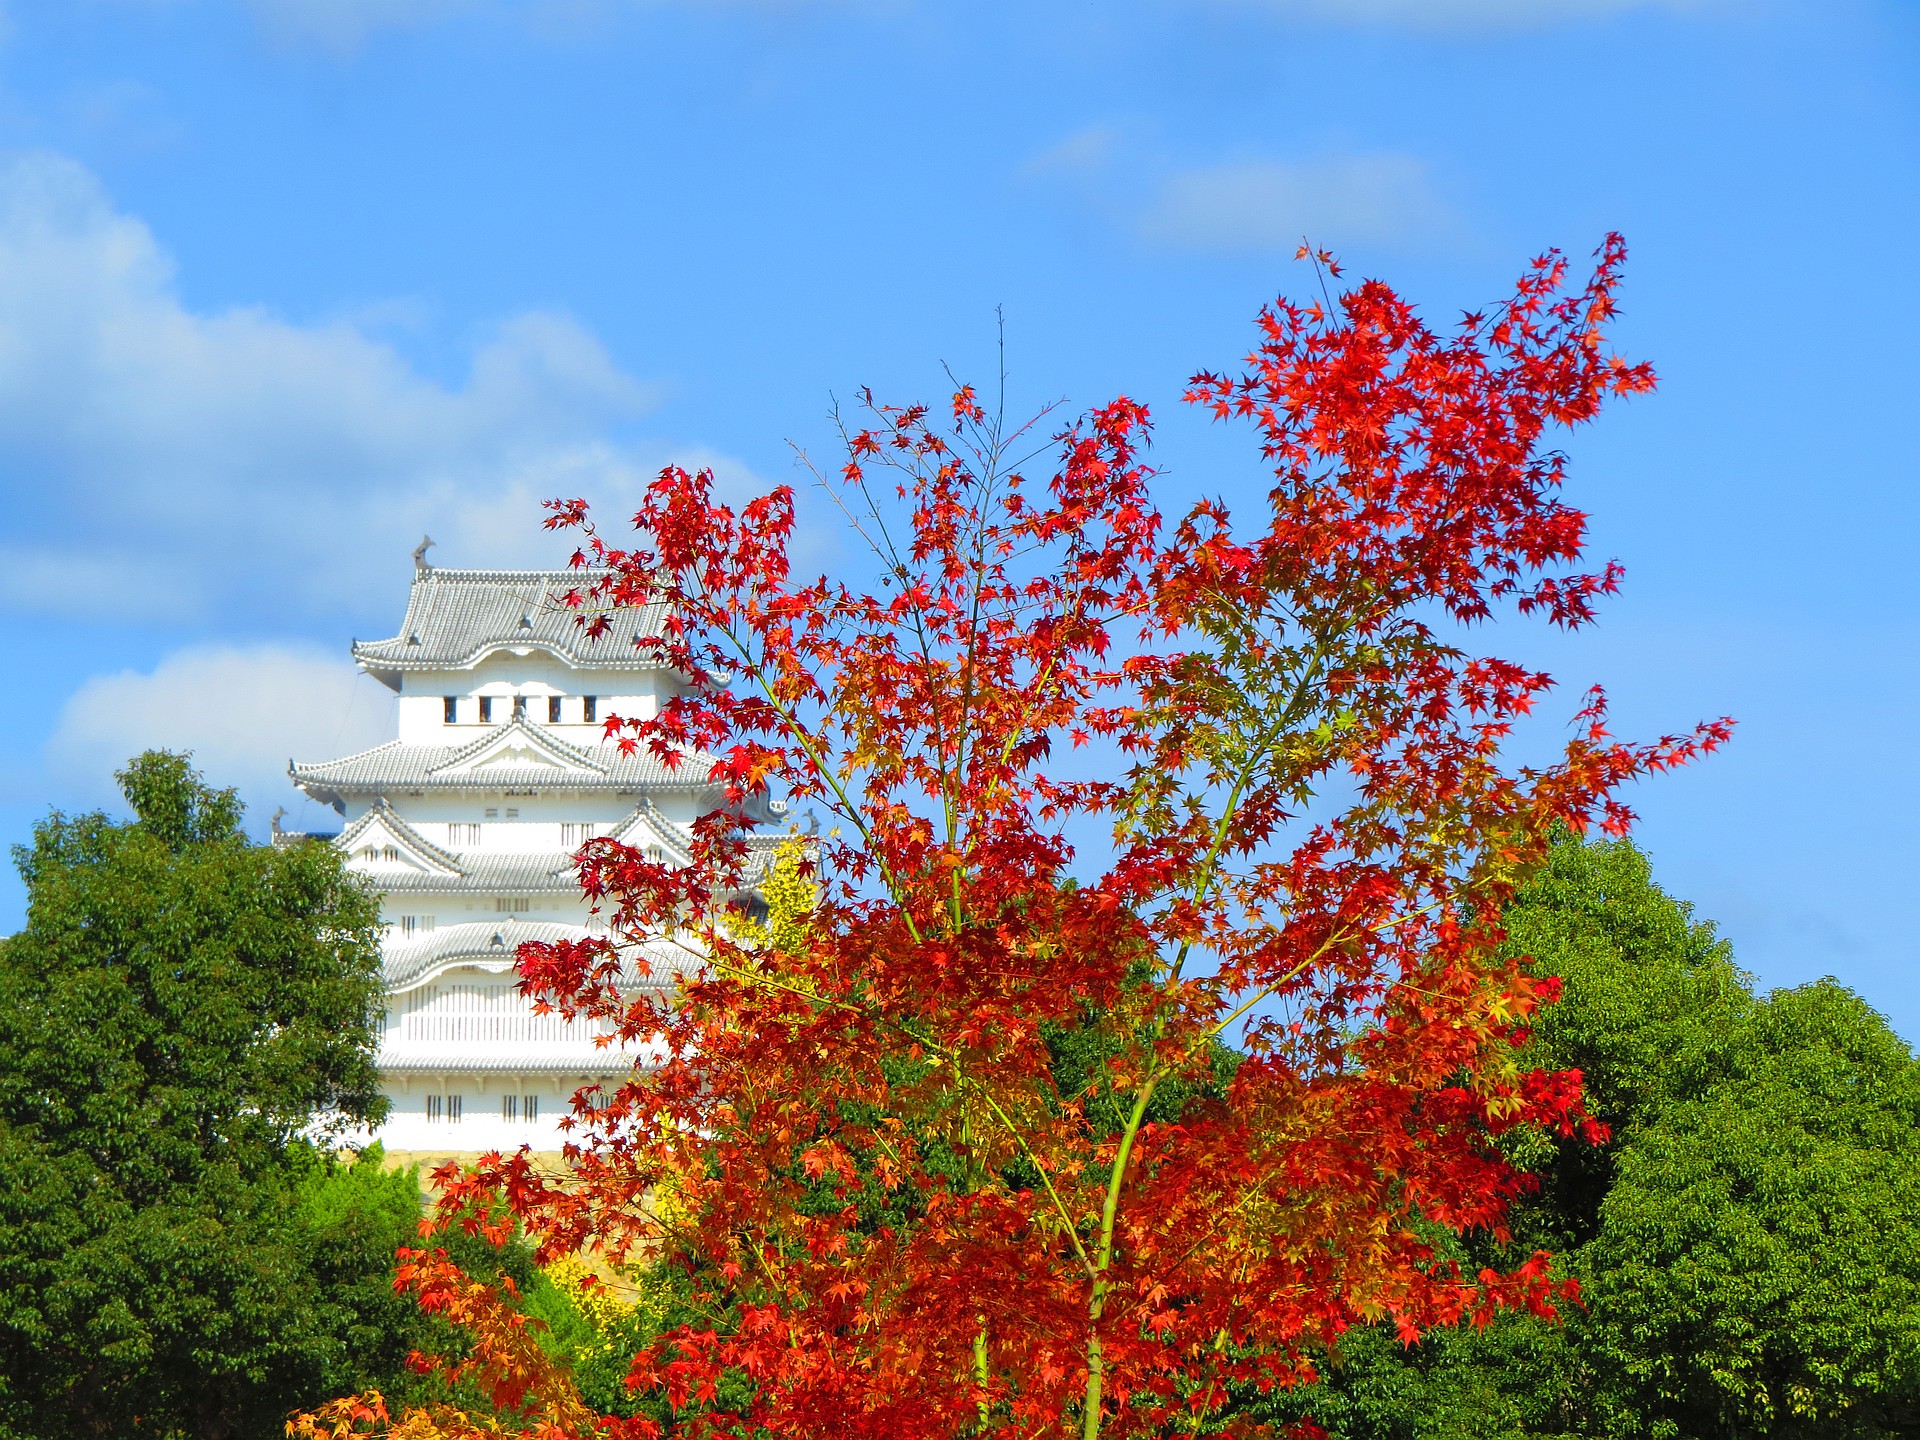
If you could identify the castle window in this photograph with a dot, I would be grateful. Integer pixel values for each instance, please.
(414, 924)
(529, 1107)
(589, 708)
(390, 852)
(509, 1107)
(553, 709)
(486, 709)
(513, 812)
(512, 905)
(450, 708)
(443, 1108)
(575, 833)
(463, 833)
(493, 812)
(519, 707)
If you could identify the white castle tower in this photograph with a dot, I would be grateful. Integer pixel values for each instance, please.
(467, 823)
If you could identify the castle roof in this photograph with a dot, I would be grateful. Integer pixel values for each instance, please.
(419, 865)
(492, 944)
(455, 618)
(517, 755)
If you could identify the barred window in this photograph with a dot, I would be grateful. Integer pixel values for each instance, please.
(520, 1107)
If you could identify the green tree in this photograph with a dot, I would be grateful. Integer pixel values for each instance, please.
(184, 1013)
(1757, 1268)
(1748, 1244)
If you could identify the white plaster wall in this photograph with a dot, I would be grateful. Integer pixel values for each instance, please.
(459, 907)
(481, 1126)
(533, 674)
(466, 1032)
(510, 824)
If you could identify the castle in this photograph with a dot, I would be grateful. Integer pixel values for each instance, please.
(467, 823)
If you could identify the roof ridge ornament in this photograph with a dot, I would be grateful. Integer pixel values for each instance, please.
(420, 553)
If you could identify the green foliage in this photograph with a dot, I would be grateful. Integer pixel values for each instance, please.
(1749, 1244)
(351, 1218)
(1757, 1269)
(598, 1331)
(182, 1010)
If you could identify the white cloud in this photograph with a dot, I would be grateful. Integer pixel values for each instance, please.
(1263, 205)
(164, 463)
(1088, 151)
(1443, 15)
(243, 711)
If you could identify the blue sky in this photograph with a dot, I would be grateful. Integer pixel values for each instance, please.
(285, 283)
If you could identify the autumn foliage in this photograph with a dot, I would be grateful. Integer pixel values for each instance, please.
(1088, 771)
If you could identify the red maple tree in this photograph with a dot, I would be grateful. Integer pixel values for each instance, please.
(1090, 771)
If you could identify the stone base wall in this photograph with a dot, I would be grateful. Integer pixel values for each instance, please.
(549, 1161)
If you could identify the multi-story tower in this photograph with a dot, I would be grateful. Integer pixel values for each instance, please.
(467, 823)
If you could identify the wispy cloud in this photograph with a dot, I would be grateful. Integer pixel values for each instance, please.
(1091, 151)
(1248, 204)
(1470, 15)
(344, 25)
(168, 463)
(1242, 206)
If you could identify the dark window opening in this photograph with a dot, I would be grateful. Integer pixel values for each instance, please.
(450, 708)
(553, 709)
(589, 708)
(519, 707)
(486, 709)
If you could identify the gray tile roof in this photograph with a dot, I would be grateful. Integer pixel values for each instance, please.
(399, 766)
(491, 944)
(380, 815)
(542, 873)
(532, 872)
(455, 617)
(575, 1060)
